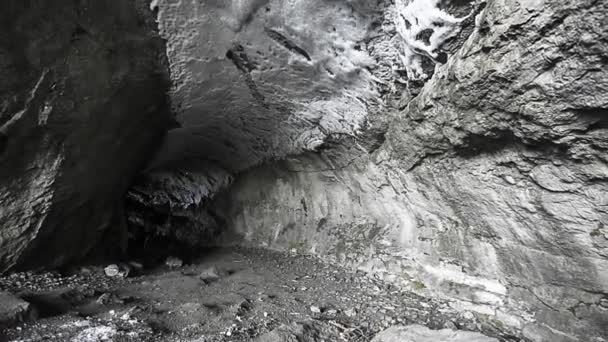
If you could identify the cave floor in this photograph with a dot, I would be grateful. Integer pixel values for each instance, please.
(257, 291)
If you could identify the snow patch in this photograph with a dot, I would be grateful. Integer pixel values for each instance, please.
(423, 27)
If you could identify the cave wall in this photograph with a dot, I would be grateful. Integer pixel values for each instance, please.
(259, 80)
(82, 108)
(481, 179)
(490, 188)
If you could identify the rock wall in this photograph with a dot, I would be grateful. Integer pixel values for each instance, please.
(472, 169)
(82, 108)
(490, 188)
(259, 80)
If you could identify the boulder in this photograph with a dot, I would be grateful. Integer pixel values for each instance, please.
(13, 310)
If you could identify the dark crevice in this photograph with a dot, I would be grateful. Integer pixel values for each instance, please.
(425, 36)
(78, 32)
(598, 117)
(240, 59)
(287, 43)
(475, 144)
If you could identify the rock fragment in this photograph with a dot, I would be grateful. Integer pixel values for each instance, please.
(210, 275)
(174, 262)
(115, 270)
(111, 270)
(14, 310)
(350, 312)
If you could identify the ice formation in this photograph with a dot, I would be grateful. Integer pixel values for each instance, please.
(416, 19)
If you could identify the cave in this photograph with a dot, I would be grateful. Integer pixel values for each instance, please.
(304, 170)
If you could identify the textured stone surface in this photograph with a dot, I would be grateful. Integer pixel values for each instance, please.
(82, 106)
(490, 188)
(308, 331)
(259, 80)
(13, 310)
(161, 200)
(485, 185)
(419, 333)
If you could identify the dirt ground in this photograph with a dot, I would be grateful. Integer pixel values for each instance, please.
(226, 295)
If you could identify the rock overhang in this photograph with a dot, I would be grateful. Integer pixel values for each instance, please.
(260, 80)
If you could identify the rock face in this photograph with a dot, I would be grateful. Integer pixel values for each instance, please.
(82, 107)
(490, 188)
(307, 331)
(456, 148)
(419, 333)
(259, 80)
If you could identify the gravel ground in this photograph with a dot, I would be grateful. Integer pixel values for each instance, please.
(226, 295)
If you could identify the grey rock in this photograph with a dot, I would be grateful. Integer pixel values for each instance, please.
(14, 310)
(210, 274)
(490, 185)
(112, 270)
(485, 183)
(174, 262)
(163, 199)
(82, 108)
(307, 331)
(419, 333)
(260, 82)
(350, 312)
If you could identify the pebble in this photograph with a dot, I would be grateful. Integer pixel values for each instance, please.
(350, 312)
(174, 262)
(450, 325)
(315, 309)
(103, 299)
(112, 270)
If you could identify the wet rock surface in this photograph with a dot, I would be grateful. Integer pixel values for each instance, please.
(257, 294)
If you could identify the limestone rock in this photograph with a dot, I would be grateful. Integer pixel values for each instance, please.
(13, 310)
(210, 275)
(307, 331)
(419, 333)
(82, 108)
(489, 188)
(259, 80)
